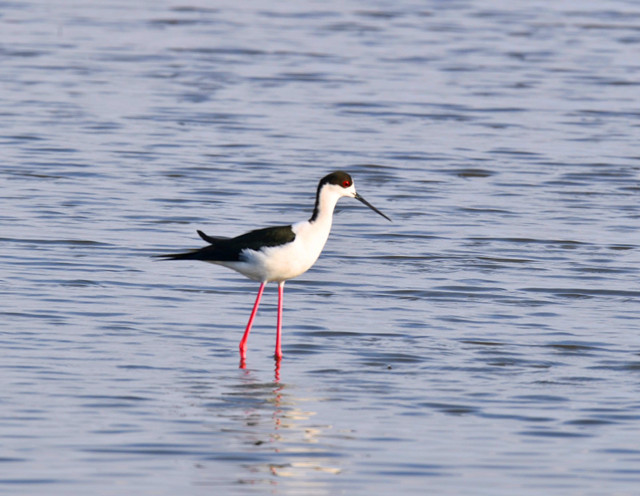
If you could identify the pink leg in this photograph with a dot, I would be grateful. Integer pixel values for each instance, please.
(243, 343)
(278, 354)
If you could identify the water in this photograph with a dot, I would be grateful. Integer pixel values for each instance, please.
(486, 342)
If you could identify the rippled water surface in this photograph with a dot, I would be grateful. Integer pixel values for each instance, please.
(485, 342)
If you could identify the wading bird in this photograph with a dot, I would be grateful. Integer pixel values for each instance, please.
(277, 254)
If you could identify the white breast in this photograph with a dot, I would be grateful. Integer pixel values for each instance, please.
(288, 261)
(280, 263)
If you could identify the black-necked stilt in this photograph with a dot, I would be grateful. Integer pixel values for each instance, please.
(278, 253)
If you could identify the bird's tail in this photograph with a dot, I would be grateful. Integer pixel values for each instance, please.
(193, 254)
(189, 255)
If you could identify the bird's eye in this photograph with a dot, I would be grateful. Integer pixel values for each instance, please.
(346, 183)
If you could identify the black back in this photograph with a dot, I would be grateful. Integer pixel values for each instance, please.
(229, 250)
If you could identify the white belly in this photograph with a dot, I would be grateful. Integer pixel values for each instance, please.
(280, 263)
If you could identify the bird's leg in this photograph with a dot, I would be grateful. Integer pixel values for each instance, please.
(243, 343)
(278, 354)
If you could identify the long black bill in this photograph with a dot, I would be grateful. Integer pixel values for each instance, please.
(359, 198)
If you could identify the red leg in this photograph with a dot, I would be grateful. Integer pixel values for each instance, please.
(278, 354)
(243, 343)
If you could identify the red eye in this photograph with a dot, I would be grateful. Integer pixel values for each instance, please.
(346, 183)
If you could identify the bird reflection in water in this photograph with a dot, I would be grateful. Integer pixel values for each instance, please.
(295, 443)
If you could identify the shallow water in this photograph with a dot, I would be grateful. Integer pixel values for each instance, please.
(486, 342)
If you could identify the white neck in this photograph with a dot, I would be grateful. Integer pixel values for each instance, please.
(325, 205)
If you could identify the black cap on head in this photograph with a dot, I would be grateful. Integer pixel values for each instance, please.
(338, 177)
(343, 179)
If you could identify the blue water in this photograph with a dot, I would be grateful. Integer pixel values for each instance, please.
(486, 342)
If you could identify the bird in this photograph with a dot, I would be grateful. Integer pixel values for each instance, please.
(279, 253)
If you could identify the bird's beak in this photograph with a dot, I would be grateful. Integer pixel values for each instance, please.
(359, 198)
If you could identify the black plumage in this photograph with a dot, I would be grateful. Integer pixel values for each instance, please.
(230, 249)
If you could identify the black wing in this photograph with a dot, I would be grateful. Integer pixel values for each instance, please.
(229, 250)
